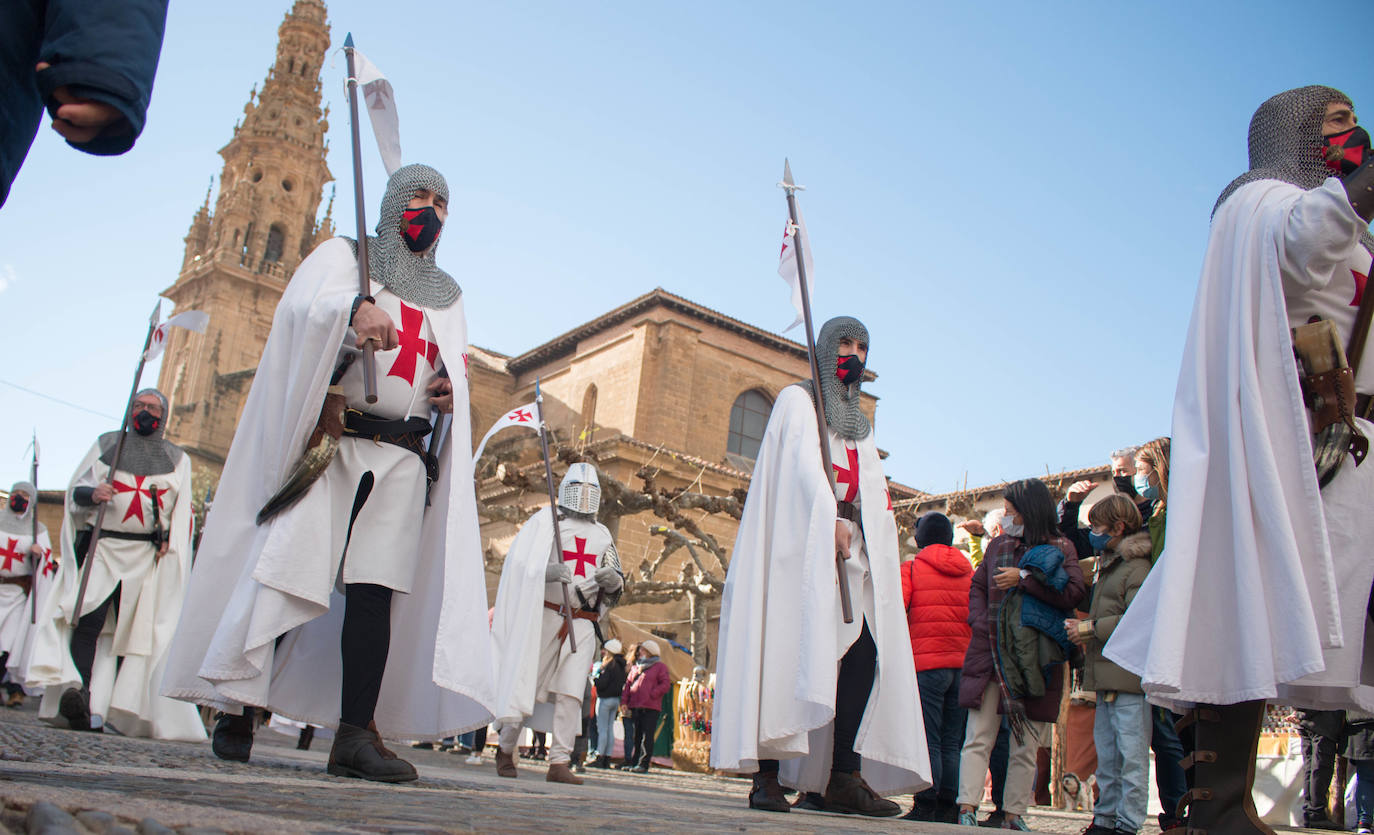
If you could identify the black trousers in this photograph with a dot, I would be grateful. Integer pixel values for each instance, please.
(87, 632)
(364, 644)
(852, 689)
(1319, 760)
(646, 729)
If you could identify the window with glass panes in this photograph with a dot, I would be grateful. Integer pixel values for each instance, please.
(748, 418)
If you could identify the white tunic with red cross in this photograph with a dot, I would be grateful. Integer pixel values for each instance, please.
(385, 542)
(16, 561)
(1337, 300)
(587, 546)
(844, 460)
(123, 562)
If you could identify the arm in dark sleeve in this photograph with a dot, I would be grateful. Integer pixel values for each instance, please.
(107, 52)
(82, 496)
(1068, 527)
(978, 593)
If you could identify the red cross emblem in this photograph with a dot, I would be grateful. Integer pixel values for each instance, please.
(49, 564)
(1360, 281)
(520, 416)
(412, 345)
(580, 556)
(849, 477)
(11, 553)
(136, 500)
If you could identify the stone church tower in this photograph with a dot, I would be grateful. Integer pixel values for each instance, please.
(240, 255)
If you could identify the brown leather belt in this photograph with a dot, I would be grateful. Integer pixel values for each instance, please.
(577, 613)
(848, 510)
(25, 582)
(1363, 402)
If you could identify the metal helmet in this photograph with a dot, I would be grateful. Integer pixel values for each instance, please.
(143, 454)
(412, 276)
(580, 491)
(841, 400)
(1286, 141)
(19, 523)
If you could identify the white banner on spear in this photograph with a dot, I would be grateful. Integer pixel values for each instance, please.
(787, 264)
(526, 416)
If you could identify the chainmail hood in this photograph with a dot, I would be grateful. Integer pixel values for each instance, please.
(19, 523)
(143, 455)
(841, 400)
(1286, 141)
(413, 277)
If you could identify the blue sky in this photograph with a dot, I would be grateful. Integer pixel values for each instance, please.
(1013, 197)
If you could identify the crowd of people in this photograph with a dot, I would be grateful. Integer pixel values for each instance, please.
(346, 514)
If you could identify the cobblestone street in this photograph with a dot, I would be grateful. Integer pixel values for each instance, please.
(55, 781)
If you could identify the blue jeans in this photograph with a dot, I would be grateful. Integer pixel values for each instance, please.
(1364, 791)
(945, 722)
(1121, 733)
(1170, 778)
(605, 725)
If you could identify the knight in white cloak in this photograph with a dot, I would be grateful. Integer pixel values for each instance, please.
(22, 558)
(309, 564)
(540, 680)
(802, 698)
(1262, 589)
(104, 667)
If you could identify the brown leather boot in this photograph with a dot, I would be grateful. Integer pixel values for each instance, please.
(766, 795)
(560, 773)
(358, 752)
(848, 794)
(1223, 765)
(505, 764)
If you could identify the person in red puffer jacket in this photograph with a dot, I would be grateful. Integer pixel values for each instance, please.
(935, 586)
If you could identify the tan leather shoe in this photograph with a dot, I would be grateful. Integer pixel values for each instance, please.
(505, 765)
(560, 773)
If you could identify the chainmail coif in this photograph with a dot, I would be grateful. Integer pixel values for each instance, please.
(1286, 141)
(413, 277)
(143, 454)
(841, 400)
(19, 523)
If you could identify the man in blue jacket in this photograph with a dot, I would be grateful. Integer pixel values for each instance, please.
(90, 63)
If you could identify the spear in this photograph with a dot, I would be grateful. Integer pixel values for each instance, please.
(114, 465)
(789, 186)
(33, 508)
(553, 511)
(360, 212)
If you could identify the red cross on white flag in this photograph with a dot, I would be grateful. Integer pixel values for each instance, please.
(191, 320)
(525, 416)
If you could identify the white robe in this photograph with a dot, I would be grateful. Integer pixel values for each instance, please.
(780, 648)
(150, 601)
(43, 583)
(1260, 592)
(532, 665)
(255, 583)
(15, 606)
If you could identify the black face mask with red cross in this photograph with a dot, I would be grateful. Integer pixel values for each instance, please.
(1344, 152)
(420, 227)
(849, 369)
(146, 423)
(19, 504)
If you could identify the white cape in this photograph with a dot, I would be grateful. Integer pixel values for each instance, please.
(778, 660)
(18, 663)
(127, 698)
(254, 583)
(1252, 591)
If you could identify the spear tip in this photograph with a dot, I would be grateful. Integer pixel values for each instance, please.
(787, 172)
(348, 41)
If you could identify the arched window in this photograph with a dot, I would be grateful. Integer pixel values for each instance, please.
(588, 414)
(748, 418)
(276, 238)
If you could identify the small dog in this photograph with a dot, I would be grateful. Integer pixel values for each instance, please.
(1078, 794)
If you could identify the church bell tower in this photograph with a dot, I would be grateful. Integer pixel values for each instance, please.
(240, 255)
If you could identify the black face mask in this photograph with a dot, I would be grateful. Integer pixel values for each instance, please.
(421, 228)
(1124, 484)
(145, 423)
(849, 369)
(19, 504)
(1346, 151)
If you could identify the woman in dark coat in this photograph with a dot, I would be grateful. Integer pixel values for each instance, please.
(1030, 521)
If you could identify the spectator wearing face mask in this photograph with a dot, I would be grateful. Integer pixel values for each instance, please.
(1151, 481)
(1121, 727)
(1029, 522)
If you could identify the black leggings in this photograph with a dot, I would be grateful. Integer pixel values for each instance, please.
(364, 643)
(852, 688)
(87, 633)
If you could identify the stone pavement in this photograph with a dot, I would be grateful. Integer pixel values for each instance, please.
(51, 780)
